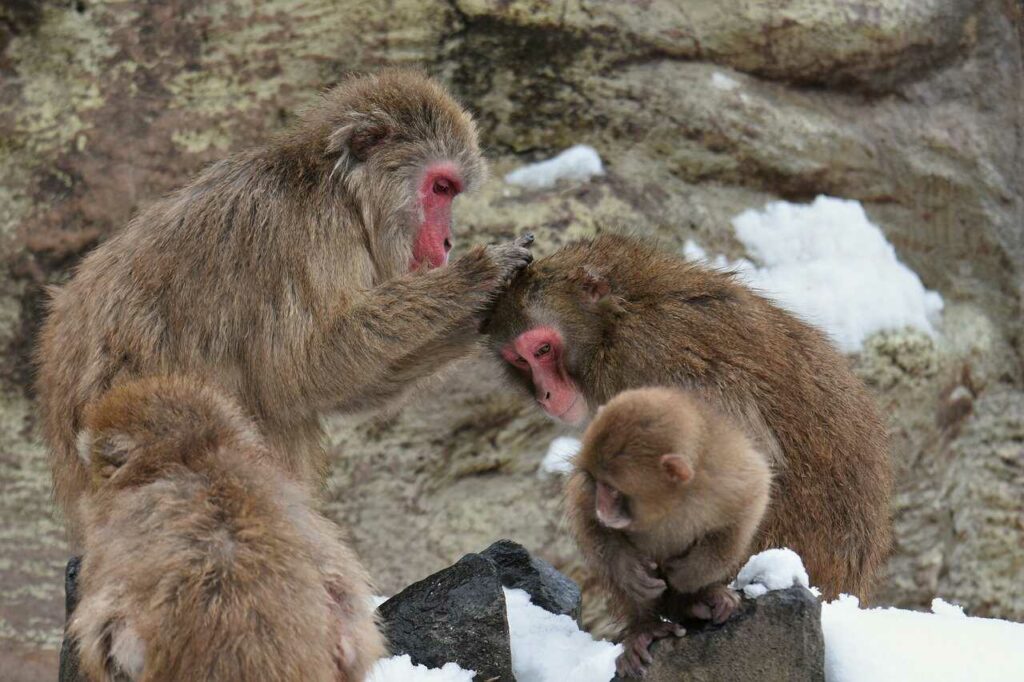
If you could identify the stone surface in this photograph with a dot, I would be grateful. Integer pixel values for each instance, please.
(699, 109)
(547, 587)
(457, 615)
(775, 638)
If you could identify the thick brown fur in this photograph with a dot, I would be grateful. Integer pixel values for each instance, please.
(240, 579)
(690, 490)
(281, 276)
(631, 316)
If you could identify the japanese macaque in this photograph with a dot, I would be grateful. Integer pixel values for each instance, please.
(612, 313)
(300, 277)
(664, 501)
(203, 561)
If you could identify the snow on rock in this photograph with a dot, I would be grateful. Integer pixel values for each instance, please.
(722, 82)
(578, 164)
(401, 669)
(772, 569)
(893, 645)
(829, 264)
(558, 459)
(551, 648)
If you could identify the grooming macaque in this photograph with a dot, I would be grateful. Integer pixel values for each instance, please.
(203, 561)
(664, 502)
(296, 278)
(300, 277)
(613, 313)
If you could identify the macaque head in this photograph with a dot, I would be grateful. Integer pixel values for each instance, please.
(140, 430)
(640, 454)
(552, 329)
(403, 149)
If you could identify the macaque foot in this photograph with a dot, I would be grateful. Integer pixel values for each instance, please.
(636, 646)
(715, 603)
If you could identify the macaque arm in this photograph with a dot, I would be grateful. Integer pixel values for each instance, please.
(403, 330)
(626, 575)
(710, 560)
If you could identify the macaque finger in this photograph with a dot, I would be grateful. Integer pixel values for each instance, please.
(525, 241)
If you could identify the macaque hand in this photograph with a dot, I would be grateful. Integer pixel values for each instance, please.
(636, 646)
(637, 578)
(512, 257)
(715, 603)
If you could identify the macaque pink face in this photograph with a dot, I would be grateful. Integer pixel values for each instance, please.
(539, 353)
(441, 183)
(610, 507)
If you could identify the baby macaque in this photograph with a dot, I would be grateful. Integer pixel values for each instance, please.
(665, 501)
(203, 560)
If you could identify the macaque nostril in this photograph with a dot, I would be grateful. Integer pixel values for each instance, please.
(547, 396)
(447, 244)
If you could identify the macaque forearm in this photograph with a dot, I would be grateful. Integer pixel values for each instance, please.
(712, 559)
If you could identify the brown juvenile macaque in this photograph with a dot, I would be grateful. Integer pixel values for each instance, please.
(300, 277)
(664, 502)
(604, 315)
(203, 560)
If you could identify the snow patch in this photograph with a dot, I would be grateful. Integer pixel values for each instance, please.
(577, 164)
(893, 645)
(558, 459)
(547, 647)
(720, 81)
(401, 669)
(772, 569)
(830, 265)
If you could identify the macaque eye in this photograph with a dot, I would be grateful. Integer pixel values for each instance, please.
(521, 361)
(445, 187)
(543, 350)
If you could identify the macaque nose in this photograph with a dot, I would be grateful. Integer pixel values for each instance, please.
(447, 245)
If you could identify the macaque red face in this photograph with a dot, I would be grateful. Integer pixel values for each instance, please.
(539, 355)
(440, 184)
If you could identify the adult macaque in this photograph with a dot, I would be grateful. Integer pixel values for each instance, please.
(300, 277)
(612, 313)
(664, 502)
(240, 579)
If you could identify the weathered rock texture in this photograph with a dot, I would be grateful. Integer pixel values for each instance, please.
(700, 108)
(775, 638)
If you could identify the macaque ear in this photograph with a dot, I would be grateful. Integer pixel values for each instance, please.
(595, 285)
(107, 453)
(677, 467)
(357, 141)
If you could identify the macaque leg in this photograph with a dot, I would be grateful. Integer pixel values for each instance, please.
(637, 641)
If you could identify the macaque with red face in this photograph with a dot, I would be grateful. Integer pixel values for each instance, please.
(305, 276)
(664, 502)
(604, 315)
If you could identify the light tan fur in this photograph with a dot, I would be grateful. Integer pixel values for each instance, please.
(204, 561)
(685, 538)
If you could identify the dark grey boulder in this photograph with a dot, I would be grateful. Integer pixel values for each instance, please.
(774, 638)
(547, 588)
(458, 615)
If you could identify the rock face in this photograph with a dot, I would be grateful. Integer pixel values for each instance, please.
(455, 615)
(699, 110)
(775, 638)
(547, 588)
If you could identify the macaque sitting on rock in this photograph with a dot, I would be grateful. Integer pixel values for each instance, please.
(665, 501)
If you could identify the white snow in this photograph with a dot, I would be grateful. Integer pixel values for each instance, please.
(722, 82)
(401, 669)
(772, 569)
(829, 264)
(551, 648)
(893, 645)
(577, 164)
(558, 459)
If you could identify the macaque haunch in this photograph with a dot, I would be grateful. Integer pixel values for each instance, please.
(664, 501)
(203, 560)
